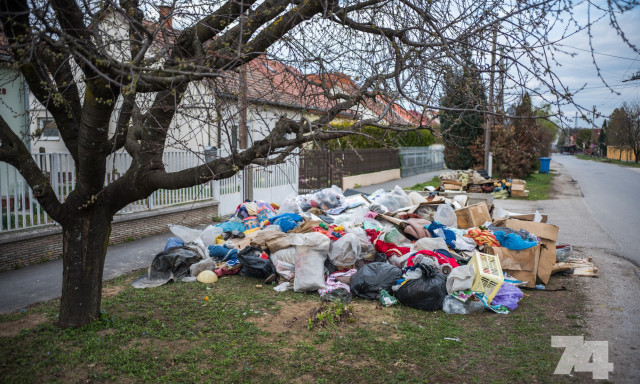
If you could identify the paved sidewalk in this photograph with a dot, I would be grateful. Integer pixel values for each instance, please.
(42, 282)
(404, 182)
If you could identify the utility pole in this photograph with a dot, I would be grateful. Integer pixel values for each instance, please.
(243, 134)
(501, 81)
(489, 118)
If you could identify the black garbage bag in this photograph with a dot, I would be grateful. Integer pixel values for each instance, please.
(170, 264)
(253, 265)
(369, 280)
(426, 293)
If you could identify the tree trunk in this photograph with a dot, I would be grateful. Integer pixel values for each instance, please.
(85, 240)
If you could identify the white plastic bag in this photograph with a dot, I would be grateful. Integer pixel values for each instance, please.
(288, 255)
(446, 216)
(284, 269)
(311, 252)
(416, 198)
(345, 251)
(429, 244)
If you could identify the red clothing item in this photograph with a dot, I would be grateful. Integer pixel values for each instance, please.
(441, 259)
(388, 249)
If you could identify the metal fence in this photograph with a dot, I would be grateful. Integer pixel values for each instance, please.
(416, 160)
(322, 168)
(19, 209)
(319, 168)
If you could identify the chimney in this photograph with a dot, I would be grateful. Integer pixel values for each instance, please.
(166, 17)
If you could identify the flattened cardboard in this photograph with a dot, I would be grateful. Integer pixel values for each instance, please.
(549, 235)
(473, 215)
(528, 217)
(521, 264)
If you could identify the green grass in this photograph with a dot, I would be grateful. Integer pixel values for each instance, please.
(538, 185)
(434, 182)
(610, 161)
(171, 334)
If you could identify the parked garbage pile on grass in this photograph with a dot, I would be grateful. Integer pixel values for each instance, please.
(424, 251)
(479, 182)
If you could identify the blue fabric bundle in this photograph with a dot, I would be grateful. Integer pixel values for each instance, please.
(229, 226)
(437, 229)
(286, 221)
(222, 253)
(513, 241)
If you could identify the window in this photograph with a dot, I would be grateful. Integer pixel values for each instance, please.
(47, 127)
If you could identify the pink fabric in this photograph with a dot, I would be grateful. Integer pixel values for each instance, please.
(332, 283)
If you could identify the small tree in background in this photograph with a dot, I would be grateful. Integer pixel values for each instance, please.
(513, 146)
(547, 131)
(624, 129)
(602, 139)
(584, 138)
(460, 120)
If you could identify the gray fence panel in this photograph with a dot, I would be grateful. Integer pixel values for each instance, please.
(416, 160)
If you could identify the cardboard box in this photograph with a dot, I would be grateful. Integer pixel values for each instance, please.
(518, 185)
(548, 233)
(473, 215)
(521, 264)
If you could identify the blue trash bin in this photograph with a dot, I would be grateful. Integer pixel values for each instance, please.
(544, 164)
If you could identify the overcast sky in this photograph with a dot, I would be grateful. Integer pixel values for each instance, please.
(616, 60)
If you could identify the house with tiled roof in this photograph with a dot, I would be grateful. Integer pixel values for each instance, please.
(378, 108)
(426, 118)
(217, 111)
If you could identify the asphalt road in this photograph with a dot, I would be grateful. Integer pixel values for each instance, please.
(611, 195)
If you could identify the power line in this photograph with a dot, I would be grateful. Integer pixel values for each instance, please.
(597, 53)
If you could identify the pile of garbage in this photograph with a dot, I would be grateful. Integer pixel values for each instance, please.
(424, 251)
(473, 181)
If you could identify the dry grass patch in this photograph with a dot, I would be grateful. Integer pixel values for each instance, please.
(13, 328)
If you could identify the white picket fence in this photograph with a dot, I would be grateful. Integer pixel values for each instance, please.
(19, 209)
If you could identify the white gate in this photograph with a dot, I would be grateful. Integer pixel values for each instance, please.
(272, 184)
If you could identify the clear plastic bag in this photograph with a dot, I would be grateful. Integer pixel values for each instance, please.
(290, 205)
(392, 235)
(345, 251)
(325, 199)
(446, 215)
(393, 200)
(429, 244)
(453, 306)
(563, 252)
(207, 264)
(367, 249)
(199, 239)
(210, 234)
(187, 235)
